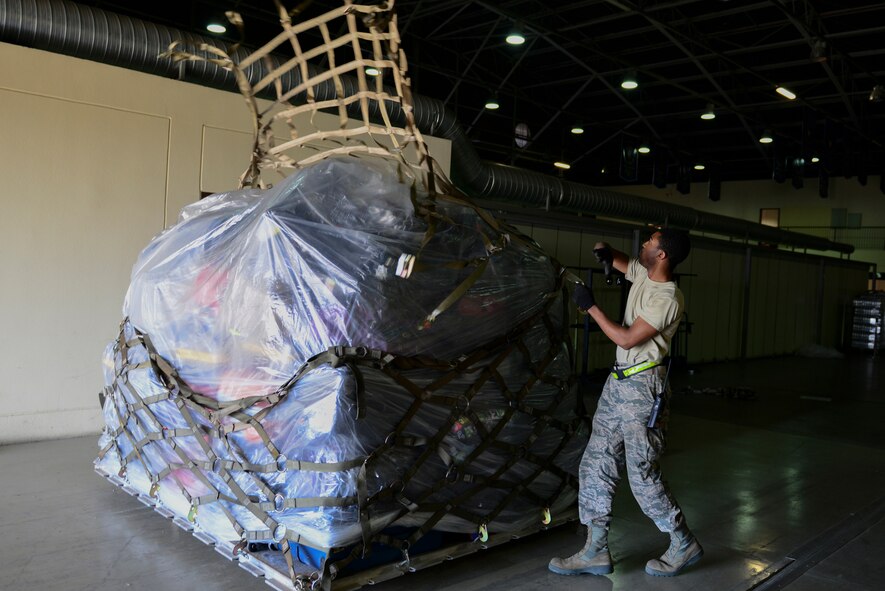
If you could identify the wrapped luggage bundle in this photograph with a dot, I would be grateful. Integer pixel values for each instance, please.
(316, 365)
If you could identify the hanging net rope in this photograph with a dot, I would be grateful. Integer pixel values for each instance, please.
(355, 361)
(327, 74)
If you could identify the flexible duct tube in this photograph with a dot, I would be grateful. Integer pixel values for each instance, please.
(91, 33)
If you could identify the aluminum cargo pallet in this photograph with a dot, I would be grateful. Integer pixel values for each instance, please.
(270, 565)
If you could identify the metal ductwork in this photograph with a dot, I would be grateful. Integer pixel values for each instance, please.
(94, 34)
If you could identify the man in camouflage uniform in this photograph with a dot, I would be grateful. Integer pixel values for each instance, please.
(622, 436)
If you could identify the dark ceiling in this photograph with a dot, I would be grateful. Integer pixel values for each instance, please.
(685, 54)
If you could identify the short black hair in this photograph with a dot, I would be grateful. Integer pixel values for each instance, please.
(676, 244)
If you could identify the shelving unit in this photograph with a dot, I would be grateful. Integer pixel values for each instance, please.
(867, 321)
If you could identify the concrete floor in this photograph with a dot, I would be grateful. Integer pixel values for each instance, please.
(785, 490)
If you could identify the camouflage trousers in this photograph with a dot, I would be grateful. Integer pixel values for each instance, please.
(620, 439)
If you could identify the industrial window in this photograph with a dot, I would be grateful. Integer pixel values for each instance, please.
(770, 217)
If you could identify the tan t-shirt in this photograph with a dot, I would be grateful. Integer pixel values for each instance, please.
(658, 303)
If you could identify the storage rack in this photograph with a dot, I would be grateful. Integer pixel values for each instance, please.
(867, 321)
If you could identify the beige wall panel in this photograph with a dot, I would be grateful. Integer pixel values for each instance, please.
(801, 303)
(756, 340)
(876, 257)
(841, 285)
(783, 299)
(806, 304)
(608, 297)
(806, 309)
(731, 279)
(79, 204)
(686, 283)
(806, 215)
(832, 310)
(720, 300)
(790, 305)
(743, 199)
(602, 351)
(756, 318)
(226, 152)
(723, 297)
(771, 298)
(96, 160)
(568, 248)
(701, 303)
(586, 258)
(225, 155)
(781, 275)
(527, 230)
(546, 237)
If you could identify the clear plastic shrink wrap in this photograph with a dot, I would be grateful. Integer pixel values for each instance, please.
(249, 286)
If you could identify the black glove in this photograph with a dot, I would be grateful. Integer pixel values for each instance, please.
(605, 256)
(583, 297)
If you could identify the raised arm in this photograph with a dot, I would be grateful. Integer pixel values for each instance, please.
(603, 251)
(624, 337)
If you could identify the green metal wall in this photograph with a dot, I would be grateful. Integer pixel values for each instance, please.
(791, 300)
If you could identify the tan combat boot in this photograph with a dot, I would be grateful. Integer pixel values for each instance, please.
(684, 551)
(593, 559)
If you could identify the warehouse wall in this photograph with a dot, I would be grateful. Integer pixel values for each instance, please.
(95, 160)
(798, 207)
(792, 299)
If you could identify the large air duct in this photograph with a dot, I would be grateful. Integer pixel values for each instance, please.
(91, 33)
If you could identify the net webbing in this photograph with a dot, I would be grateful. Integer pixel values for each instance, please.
(319, 79)
(321, 76)
(322, 82)
(210, 423)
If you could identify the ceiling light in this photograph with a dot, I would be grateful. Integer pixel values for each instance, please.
(709, 113)
(562, 165)
(878, 94)
(216, 28)
(785, 92)
(766, 137)
(815, 159)
(577, 129)
(515, 38)
(522, 135)
(370, 71)
(629, 82)
(602, 171)
(644, 148)
(492, 104)
(818, 50)
(699, 167)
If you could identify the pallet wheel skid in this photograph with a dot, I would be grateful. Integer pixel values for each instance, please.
(270, 566)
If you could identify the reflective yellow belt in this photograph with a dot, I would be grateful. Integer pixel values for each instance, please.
(622, 374)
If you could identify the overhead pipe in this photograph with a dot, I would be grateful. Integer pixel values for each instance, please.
(92, 33)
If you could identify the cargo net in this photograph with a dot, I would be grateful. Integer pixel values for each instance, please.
(343, 74)
(354, 366)
(447, 460)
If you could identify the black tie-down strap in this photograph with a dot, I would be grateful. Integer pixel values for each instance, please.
(209, 422)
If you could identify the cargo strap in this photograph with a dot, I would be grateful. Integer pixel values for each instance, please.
(136, 433)
(228, 417)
